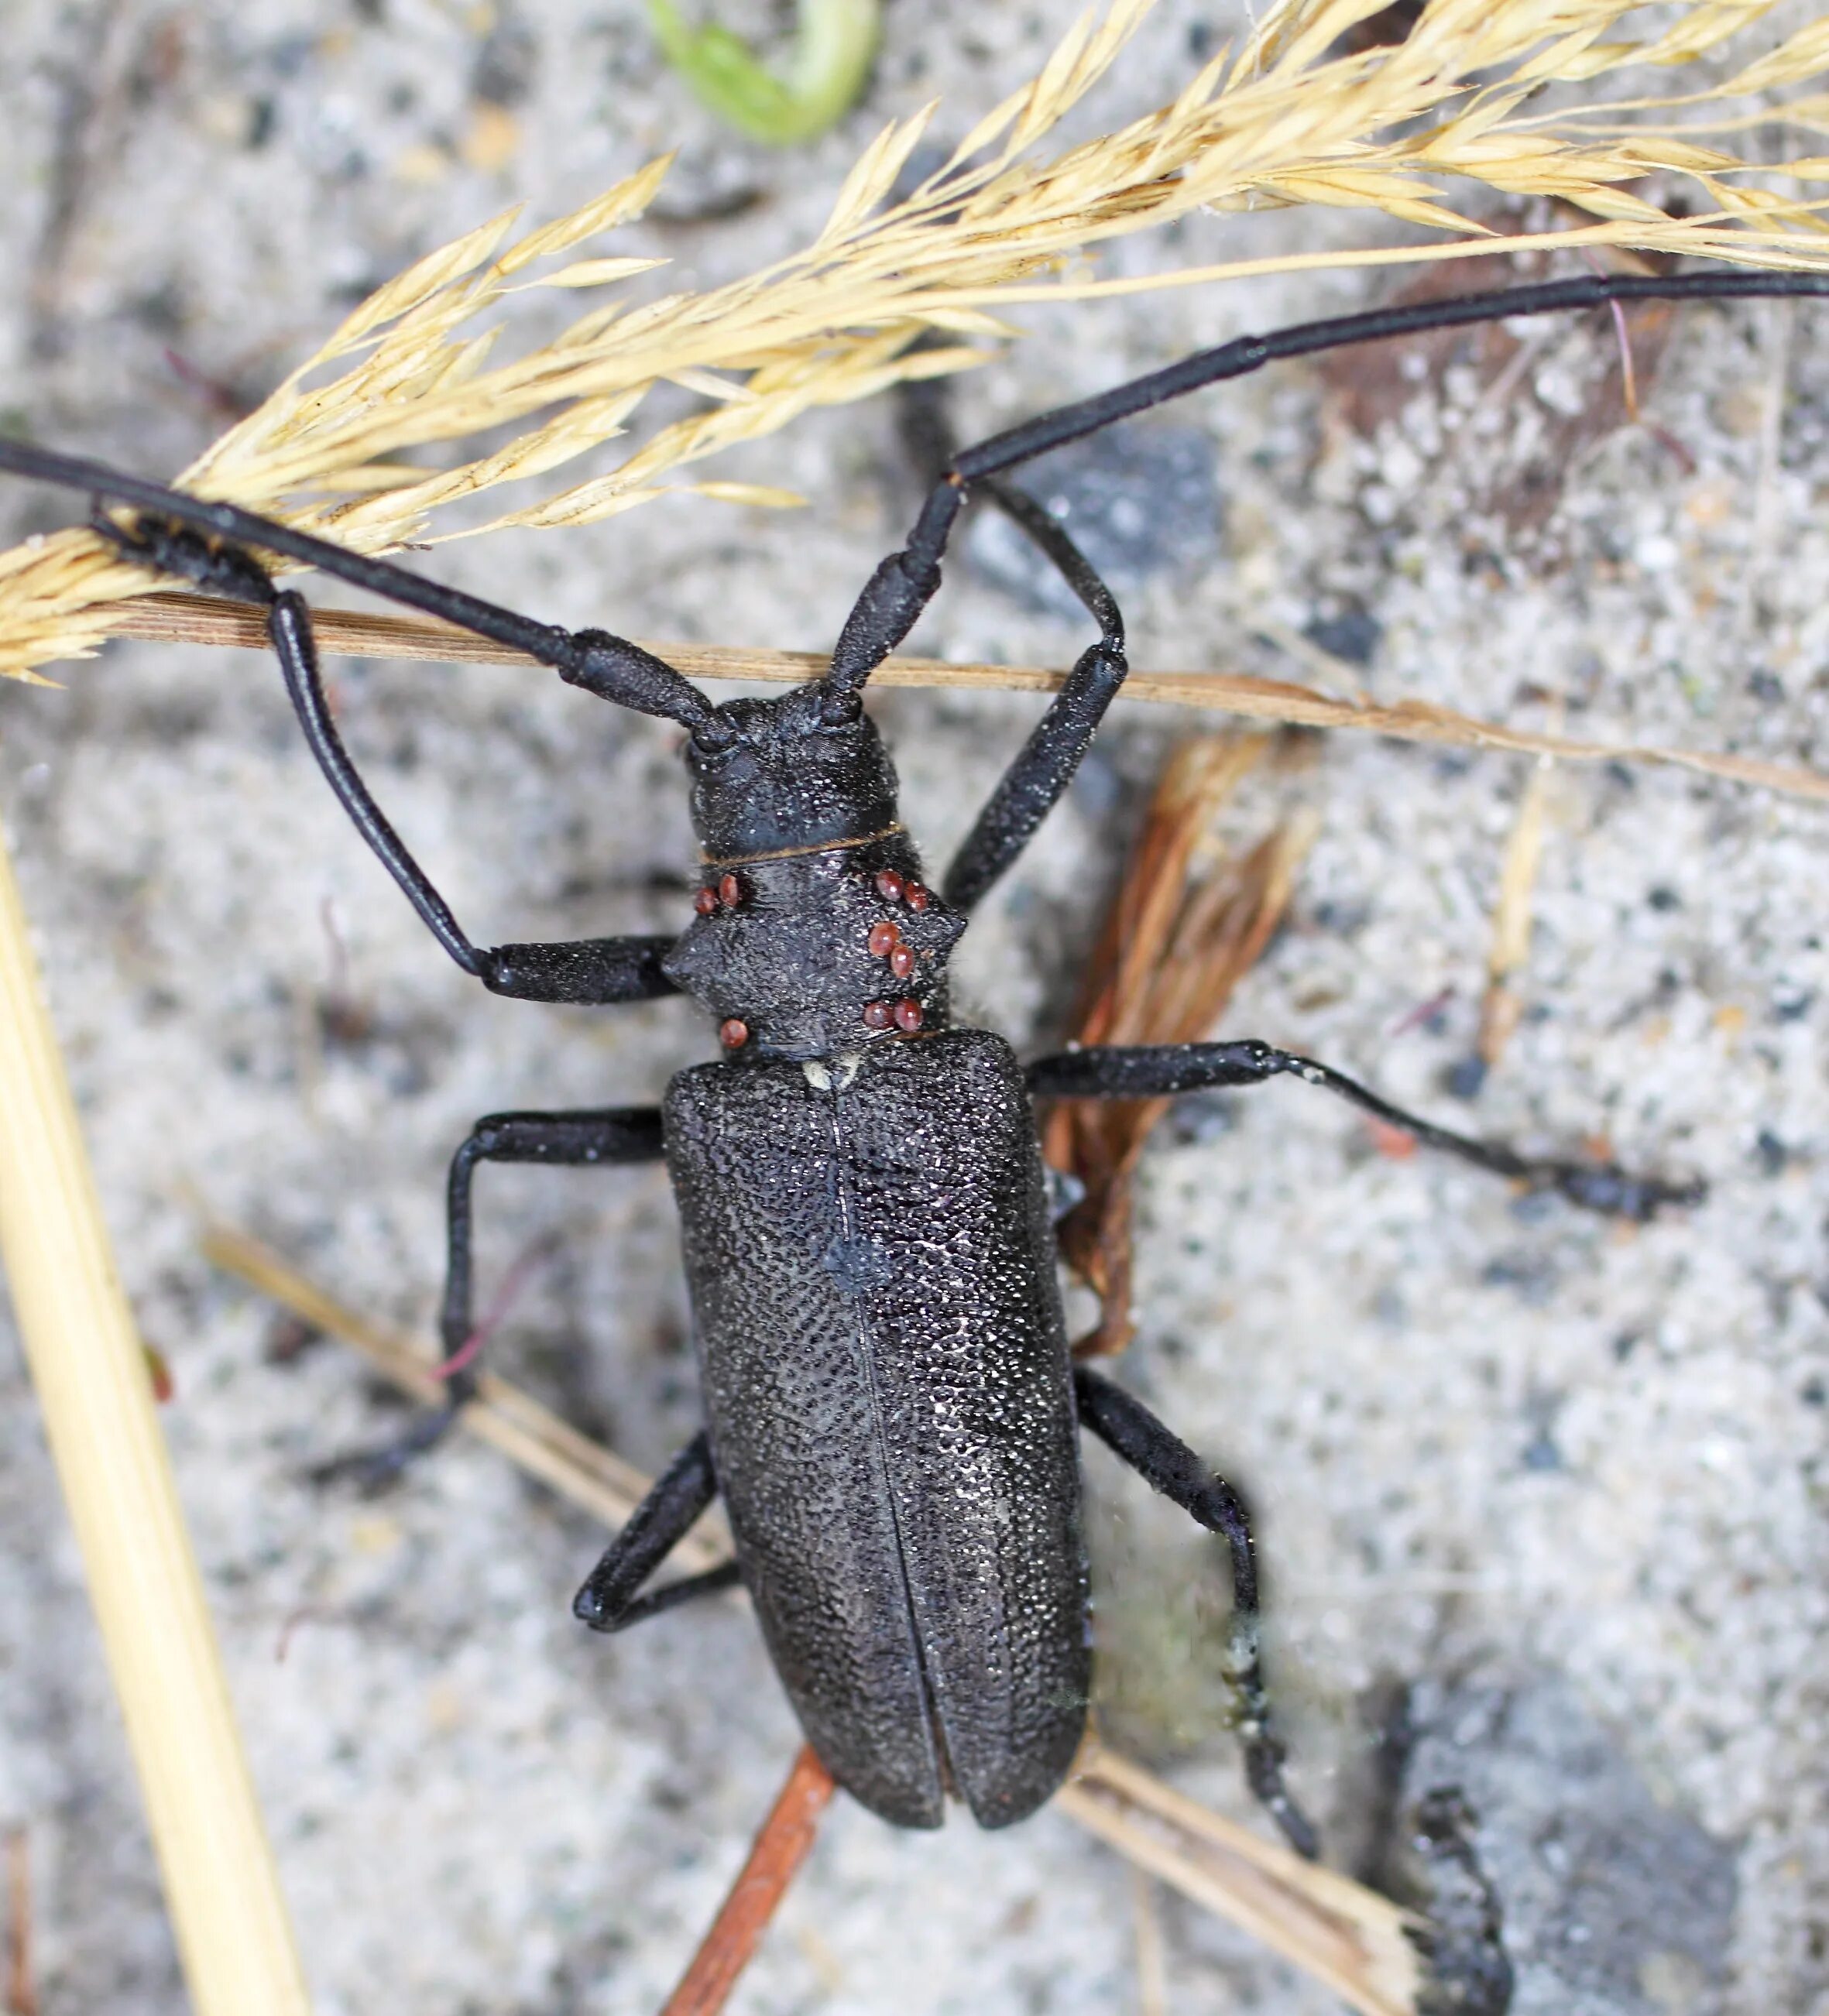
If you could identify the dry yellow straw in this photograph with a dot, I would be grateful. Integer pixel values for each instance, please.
(1349, 1937)
(194, 619)
(94, 1386)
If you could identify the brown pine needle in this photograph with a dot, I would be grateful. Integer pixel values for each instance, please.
(1427, 130)
(22, 1989)
(784, 1843)
(173, 618)
(1325, 1923)
(1186, 927)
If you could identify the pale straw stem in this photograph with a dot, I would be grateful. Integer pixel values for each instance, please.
(95, 1387)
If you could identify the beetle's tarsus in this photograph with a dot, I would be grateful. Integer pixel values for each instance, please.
(1606, 1188)
(186, 554)
(609, 1601)
(1263, 1773)
(1461, 1936)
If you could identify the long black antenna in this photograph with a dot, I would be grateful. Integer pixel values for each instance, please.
(904, 584)
(609, 667)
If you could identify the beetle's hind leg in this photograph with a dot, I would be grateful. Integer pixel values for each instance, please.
(578, 1140)
(1166, 1464)
(608, 1601)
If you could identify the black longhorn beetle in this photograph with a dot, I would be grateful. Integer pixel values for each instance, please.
(890, 1411)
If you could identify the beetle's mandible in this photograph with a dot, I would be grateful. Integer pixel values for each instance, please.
(891, 1412)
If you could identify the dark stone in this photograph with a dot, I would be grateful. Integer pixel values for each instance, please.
(1613, 1904)
(503, 73)
(1774, 1156)
(1465, 1079)
(1137, 501)
(1533, 1276)
(1354, 636)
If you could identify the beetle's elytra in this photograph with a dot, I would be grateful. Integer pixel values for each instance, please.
(913, 1444)
(891, 1412)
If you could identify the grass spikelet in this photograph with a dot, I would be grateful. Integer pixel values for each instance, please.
(1425, 130)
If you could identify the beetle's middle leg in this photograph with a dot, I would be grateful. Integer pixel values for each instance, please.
(608, 1601)
(578, 1140)
(1163, 1069)
(1166, 1464)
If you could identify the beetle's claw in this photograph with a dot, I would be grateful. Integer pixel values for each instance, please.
(1263, 1772)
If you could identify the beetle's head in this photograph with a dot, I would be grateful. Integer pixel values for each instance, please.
(805, 770)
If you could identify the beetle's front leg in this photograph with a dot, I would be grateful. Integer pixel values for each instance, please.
(1163, 1069)
(1033, 785)
(578, 1140)
(1036, 781)
(1166, 1464)
(596, 971)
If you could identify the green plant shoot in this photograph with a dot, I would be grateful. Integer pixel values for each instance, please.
(834, 44)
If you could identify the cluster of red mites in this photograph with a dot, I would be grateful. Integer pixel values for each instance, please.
(727, 896)
(885, 942)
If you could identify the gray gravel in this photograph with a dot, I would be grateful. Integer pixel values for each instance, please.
(1484, 1437)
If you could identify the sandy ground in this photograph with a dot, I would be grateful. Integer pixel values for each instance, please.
(1565, 1479)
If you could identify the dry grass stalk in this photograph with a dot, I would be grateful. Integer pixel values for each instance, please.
(1250, 1882)
(192, 619)
(1188, 923)
(1424, 131)
(784, 1844)
(1349, 1938)
(92, 1380)
(526, 1432)
(1502, 1005)
(1152, 1957)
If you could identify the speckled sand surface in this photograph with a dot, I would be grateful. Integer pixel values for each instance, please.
(1587, 1462)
